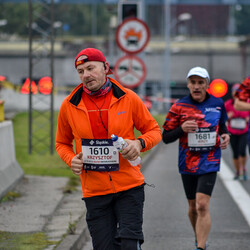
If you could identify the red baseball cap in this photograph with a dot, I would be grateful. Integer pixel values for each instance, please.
(92, 55)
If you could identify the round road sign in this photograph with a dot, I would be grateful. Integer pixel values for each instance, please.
(132, 35)
(130, 71)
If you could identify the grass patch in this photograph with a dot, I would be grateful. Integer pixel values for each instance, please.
(24, 241)
(160, 119)
(36, 164)
(72, 226)
(72, 184)
(10, 196)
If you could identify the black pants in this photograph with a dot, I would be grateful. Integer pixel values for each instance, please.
(115, 220)
(239, 145)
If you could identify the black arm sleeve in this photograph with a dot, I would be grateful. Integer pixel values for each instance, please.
(223, 129)
(171, 136)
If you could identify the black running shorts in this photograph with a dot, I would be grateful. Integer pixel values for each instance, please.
(198, 184)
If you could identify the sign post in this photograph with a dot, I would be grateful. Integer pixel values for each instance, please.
(130, 71)
(132, 35)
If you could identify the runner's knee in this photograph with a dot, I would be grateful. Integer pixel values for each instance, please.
(192, 207)
(202, 206)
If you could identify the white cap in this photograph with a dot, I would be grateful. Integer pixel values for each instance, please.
(198, 71)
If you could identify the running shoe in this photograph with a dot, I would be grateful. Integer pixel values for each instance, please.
(245, 177)
(200, 248)
(236, 177)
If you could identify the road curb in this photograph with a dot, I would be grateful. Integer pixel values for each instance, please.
(75, 241)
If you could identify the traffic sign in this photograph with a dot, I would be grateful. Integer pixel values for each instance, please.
(132, 35)
(130, 71)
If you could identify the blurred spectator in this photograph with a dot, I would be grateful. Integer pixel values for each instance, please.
(242, 96)
(248, 138)
(237, 125)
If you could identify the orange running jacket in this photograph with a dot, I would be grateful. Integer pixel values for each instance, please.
(126, 111)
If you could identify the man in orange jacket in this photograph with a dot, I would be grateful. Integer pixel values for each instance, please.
(113, 190)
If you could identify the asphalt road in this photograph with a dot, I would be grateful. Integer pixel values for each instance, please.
(166, 225)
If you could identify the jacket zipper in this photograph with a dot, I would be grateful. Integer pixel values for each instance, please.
(112, 183)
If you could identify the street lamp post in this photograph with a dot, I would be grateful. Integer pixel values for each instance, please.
(166, 75)
(112, 26)
(168, 27)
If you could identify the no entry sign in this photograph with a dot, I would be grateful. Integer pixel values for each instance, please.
(130, 71)
(132, 35)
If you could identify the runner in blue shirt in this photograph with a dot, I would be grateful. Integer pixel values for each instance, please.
(198, 121)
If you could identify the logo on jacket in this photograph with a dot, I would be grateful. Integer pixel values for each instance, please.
(121, 112)
(217, 109)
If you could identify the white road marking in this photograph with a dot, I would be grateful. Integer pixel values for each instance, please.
(236, 190)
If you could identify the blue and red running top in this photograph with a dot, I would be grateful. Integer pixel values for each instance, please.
(199, 152)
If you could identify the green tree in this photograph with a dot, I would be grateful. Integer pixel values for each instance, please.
(242, 17)
(76, 16)
(79, 18)
(17, 17)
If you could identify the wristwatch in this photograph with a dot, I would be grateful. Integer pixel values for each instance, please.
(142, 142)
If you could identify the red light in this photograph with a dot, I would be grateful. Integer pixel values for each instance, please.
(2, 78)
(25, 89)
(45, 85)
(218, 88)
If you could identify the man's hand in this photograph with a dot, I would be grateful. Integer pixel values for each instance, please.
(225, 141)
(189, 126)
(77, 164)
(132, 151)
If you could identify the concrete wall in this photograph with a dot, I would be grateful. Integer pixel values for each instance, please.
(16, 102)
(10, 170)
